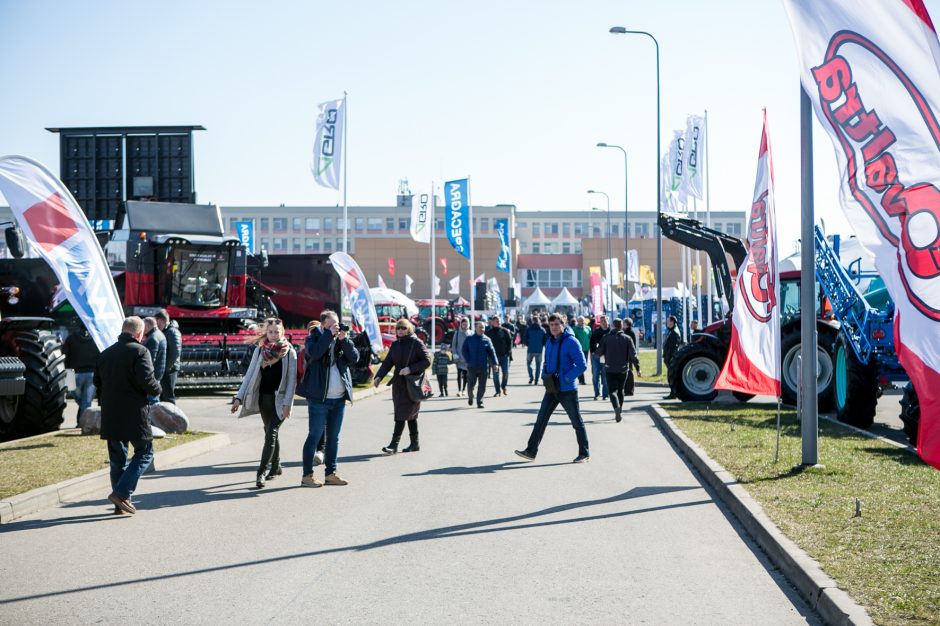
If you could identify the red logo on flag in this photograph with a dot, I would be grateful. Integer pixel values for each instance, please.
(760, 294)
(391, 266)
(50, 222)
(351, 281)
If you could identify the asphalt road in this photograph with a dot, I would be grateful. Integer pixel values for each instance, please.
(462, 532)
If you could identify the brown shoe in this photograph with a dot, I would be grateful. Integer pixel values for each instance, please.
(334, 480)
(122, 503)
(310, 481)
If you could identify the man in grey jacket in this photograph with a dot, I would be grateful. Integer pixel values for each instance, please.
(155, 342)
(619, 356)
(174, 350)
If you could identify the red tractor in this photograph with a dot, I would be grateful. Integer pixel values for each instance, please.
(446, 316)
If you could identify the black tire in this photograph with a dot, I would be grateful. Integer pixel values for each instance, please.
(40, 408)
(855, 388)
(694, 370)
(790, 349)
(910, 413)
(742, 397)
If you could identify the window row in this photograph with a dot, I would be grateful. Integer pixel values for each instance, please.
(553, 278)
(304, 245)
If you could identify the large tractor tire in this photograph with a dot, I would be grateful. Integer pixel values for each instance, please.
(790, 349)
(40, 408)
(910, 413)
(693, 372)
(856, 386)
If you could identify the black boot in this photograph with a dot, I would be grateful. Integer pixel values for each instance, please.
(391, 448)
(413, 446)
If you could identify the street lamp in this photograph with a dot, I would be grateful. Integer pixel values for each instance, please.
(610, 261)
(620, 30)
(626, 225)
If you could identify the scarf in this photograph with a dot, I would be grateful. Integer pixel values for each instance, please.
(272, 352)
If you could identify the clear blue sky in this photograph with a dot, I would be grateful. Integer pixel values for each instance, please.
(515, 94)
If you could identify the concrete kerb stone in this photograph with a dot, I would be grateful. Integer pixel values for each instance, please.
(76, 488)
(834, 605)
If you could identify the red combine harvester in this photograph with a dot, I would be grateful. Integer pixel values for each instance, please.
(446, 315)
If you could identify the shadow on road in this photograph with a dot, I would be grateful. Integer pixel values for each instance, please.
(495, 525)
(482, 469)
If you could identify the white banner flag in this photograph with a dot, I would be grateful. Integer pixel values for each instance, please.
(359, 297)
(422, 206)
(437, 287)
(328, 145)
(380, 282)
(409, 281)
(677, 166)
(58, 231)
(455, 285)
(694, 155)
(612, 270)
(633, 266)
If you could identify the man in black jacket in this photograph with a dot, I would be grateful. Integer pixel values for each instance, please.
(502, 344)
(124, 378)
(619, 354)
(174, 350)
(155, 342)
(630, 385)
(670, 346)
(81, 353)
(598, 376)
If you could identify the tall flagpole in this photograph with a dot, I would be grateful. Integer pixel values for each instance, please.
(708, 217)
(345, 173)
(473, 278)
(433, 254)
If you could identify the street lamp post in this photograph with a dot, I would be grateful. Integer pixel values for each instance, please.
(626, 223)
(620, 30)
(610, 261)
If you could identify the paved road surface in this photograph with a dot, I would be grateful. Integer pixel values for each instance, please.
(462, 532)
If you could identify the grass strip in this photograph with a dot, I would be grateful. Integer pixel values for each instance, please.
(648, 368)
(888, 558)
(48, 460)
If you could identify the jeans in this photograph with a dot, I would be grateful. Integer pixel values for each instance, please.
(550, 401)
(475, 376)
(271, 452)
(168, 386)
(124, 474)
(503, 379)
(84, 391)
(537, 357)
(327, 414)
(598, 375)
(616, 382)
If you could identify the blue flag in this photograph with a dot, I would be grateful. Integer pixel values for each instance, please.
(456, 198)
(246, 233)
(502, 229)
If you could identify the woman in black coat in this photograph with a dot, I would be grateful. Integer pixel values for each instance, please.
(408, 355)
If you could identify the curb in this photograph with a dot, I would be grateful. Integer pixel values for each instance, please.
(820, 591)
(76, 488)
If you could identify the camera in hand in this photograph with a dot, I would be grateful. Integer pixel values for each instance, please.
(343, 328)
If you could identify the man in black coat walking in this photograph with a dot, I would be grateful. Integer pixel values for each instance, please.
(124, 379)
(670, 346)
(619, 354)
(502, 344)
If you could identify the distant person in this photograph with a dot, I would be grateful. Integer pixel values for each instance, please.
(155, 342)
(563, 362)
(598, 375)
(480, 357)
(442, 360)
(535, 338)
(460, 335)
(125, 381)
(671, 344)
(174, 351)
(693, 326)
(619, 354)
(81, 354)
(502, 344)
(630, 385)
(268, 389)
(408, 355)
(583, 334)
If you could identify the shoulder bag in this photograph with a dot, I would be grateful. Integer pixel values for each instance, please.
(552, 382)
(418, 385)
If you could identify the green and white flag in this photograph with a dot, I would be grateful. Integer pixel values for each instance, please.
(421, 211)
(694, 155)
(328, 145)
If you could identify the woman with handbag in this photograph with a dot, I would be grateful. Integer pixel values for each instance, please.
(410, 358)
(268, 388)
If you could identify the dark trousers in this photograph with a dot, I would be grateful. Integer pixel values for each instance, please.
(550, 401)
(503, 380)
(615, 384)
(630, 384)
(400, 428)
(168, 387)
(442, 384)
(124, 473)
(587, 359)
(461, 379)
(271, 451)
(477, 378)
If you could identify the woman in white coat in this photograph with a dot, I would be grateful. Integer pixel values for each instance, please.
(268, 388)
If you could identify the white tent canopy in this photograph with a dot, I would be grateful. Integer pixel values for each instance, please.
(390, 295)
(564, 299)
(536, 298)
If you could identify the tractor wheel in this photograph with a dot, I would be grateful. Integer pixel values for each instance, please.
(856, 386)
(39, 409)
(910, 413)
(742, 397)
(693, 372)
(790, 348)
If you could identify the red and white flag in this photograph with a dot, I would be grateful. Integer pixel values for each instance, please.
(753, 363)
(872, 75)
(444, 264)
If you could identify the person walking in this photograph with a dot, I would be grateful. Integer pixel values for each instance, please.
(564, 360)
(174, 351)
(155, 341)
(81, 354)
(598, 377)
(268, 389)
(408, 355)
(460, 336)
(619, 354)
(328, 355)
(502, 344)
(442, 362)
(583, 335)
(671, 344)
(125, 382)
(535, 338)
(630, 385)
(480, 357)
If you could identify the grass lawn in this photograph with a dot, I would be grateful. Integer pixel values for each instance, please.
(45, 461)
(888, 559)
(648, 367)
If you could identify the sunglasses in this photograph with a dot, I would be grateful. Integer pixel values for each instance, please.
(401, 328)
(273, 320)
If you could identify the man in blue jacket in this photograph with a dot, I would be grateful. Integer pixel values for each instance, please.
(535, 338)
(478, 352)
(563, 356)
